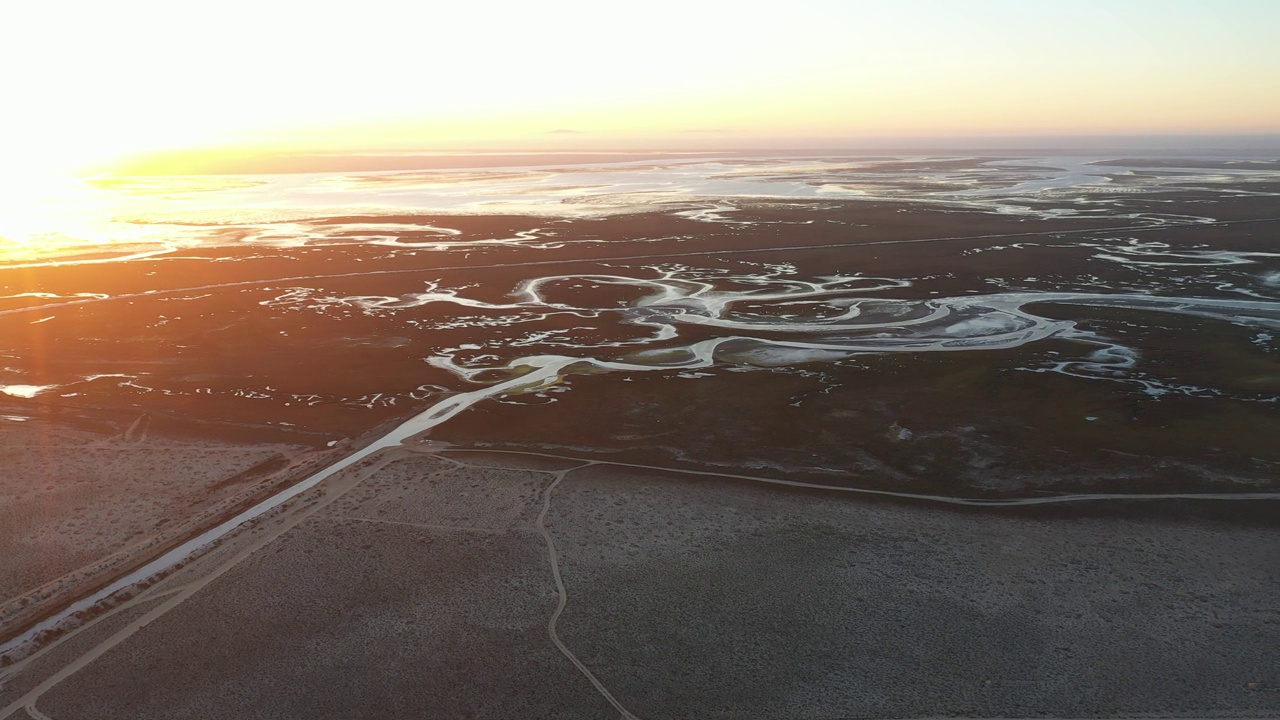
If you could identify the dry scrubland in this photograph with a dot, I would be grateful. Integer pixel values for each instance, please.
(425, 590)
(72, 500)
(420, 585)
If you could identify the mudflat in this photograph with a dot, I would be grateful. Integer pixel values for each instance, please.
(750, 438)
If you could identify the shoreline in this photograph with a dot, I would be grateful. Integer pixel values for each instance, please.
(590, 448)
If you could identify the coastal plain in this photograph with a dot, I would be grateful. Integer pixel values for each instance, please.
(823, 438)
(424, 589)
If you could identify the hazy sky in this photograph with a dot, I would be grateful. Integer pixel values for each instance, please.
(86, 80)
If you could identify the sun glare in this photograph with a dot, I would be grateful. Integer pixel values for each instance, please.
(32, 208)
(126, 81)
(50, 209)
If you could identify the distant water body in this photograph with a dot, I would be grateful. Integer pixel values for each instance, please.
(119, 218)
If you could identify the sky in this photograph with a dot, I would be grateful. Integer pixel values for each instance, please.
(88, 82)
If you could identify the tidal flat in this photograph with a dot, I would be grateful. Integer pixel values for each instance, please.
(735, 437)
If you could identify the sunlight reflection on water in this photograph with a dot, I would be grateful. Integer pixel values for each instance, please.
(124, 216)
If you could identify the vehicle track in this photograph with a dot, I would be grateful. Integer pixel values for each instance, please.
(945, 499)
(553, 557)
(292, 519)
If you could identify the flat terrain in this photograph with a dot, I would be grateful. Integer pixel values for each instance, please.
(80, 507)
(780, 438)
(70, 503)
(426, 589)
